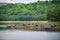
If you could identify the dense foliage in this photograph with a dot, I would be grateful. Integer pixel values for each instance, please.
(27, 12)
(53, 11)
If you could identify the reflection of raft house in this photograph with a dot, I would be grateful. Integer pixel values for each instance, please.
(11, 25)
(46, 27)
(3, 26)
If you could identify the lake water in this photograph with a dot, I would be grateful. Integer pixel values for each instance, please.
(28, 35)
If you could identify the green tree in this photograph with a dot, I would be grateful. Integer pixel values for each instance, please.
(54, 13)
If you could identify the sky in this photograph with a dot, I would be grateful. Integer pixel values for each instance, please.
(18, 1)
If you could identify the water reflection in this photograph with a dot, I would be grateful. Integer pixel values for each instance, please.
(28, 35)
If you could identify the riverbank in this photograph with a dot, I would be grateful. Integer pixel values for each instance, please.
(30, 25)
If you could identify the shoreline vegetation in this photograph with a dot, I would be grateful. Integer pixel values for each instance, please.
(30, 25)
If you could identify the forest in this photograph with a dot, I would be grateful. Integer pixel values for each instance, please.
(37, 11)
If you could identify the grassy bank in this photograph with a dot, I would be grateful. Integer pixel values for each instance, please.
(22, 21)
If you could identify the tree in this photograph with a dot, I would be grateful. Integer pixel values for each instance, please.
(20, 11)
(55, 1)
(54, 13)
